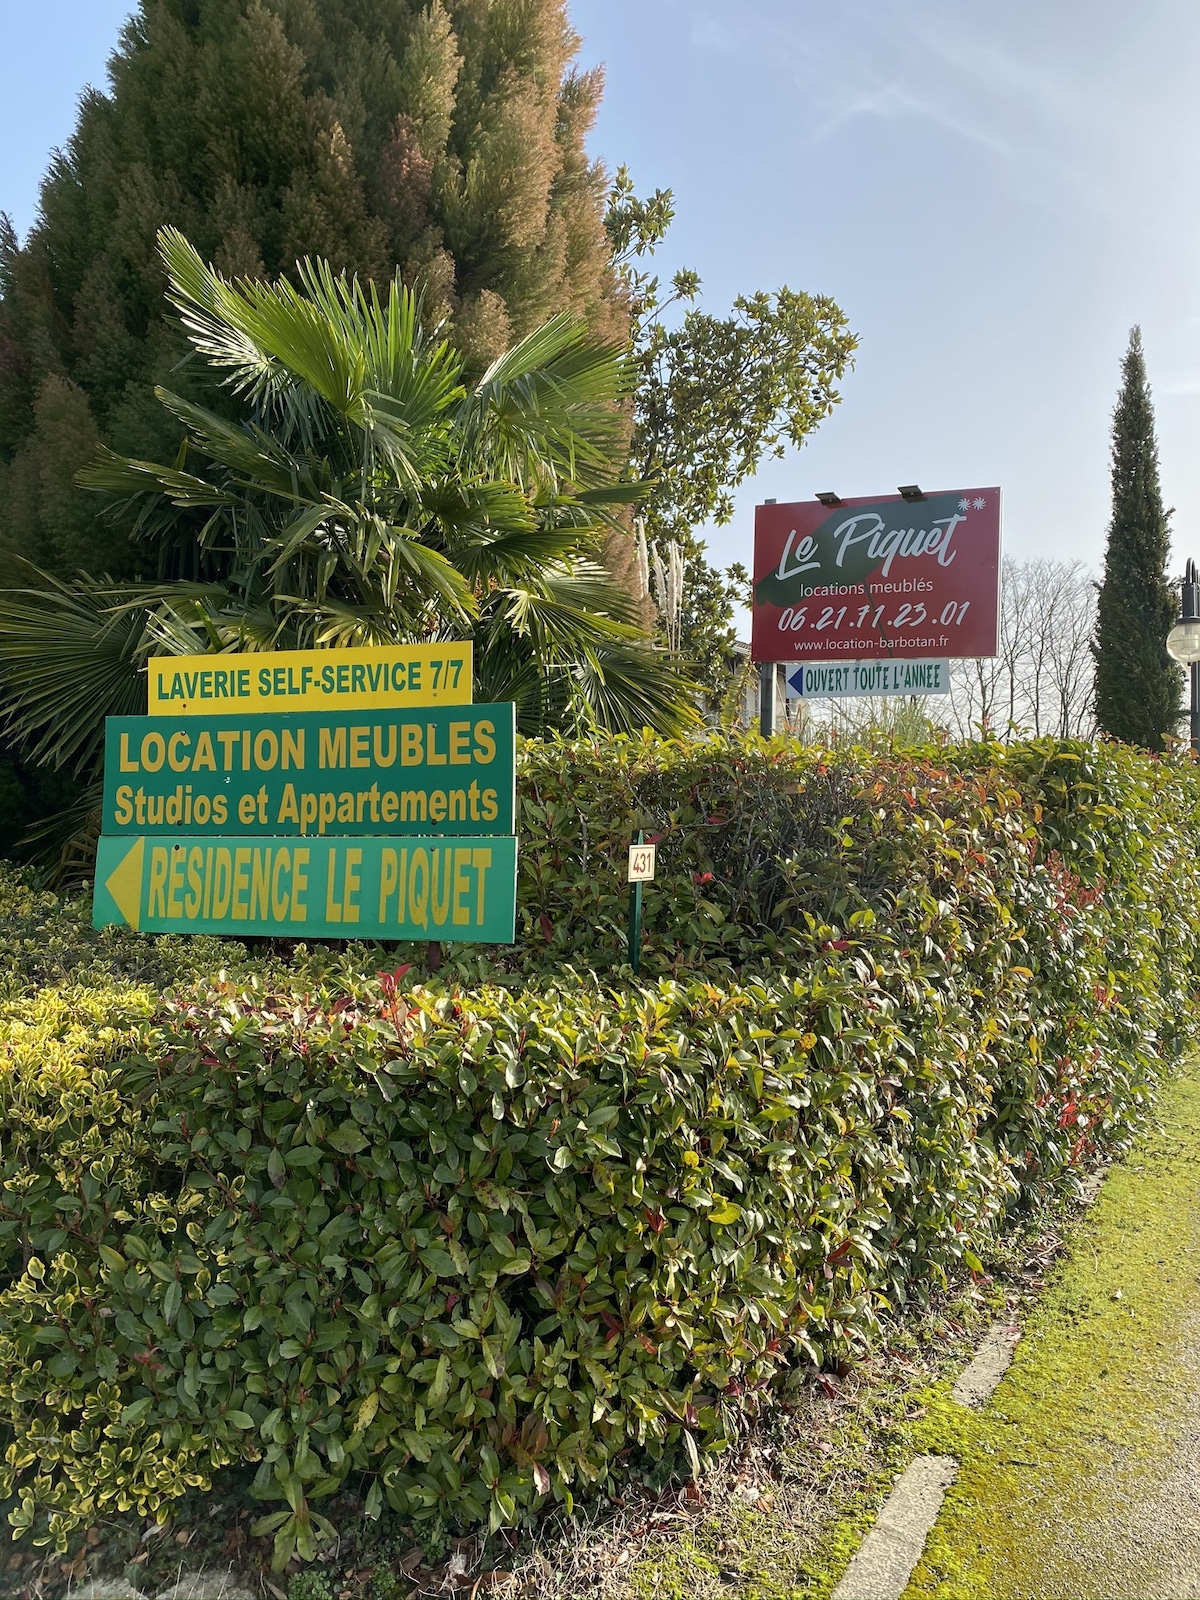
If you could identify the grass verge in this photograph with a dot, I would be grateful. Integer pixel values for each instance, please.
(1075, 1477)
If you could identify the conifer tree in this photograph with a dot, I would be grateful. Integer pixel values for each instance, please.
(445, 137)
(1137, 683)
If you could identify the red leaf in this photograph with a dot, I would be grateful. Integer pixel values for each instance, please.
(656, 1220)
(702, 877)
(390, 980)
(547, 925)
(840, 1254)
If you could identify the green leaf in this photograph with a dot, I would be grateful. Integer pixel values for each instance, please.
(268, 1524)
(349, 1139)
(493, 1356)
(439, 1261)
(440, 1387)
(305, 1156)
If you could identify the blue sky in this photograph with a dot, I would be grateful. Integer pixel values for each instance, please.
(994, 193)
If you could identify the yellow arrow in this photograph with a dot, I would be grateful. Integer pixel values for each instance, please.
(124, 883)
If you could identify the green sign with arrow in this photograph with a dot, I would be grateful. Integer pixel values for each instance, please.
(445, 888)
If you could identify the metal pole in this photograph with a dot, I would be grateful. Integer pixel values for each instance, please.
(766, 699)
(1189, 612)
(766, 688)
(635, 918)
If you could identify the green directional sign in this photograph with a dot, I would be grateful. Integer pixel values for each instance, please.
(355, 794)
(445, 888)
(313, 773)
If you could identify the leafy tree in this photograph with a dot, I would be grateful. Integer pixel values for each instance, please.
(441, 137)
(715, 396)
(1137, 683)
(367, 492)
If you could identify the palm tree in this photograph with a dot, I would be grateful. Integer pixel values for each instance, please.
(362, 492)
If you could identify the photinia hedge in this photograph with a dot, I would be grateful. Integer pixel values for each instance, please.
(473, 1244)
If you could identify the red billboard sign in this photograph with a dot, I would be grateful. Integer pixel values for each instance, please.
(872, 578)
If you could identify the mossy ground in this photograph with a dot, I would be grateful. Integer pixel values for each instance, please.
(1073, 1478)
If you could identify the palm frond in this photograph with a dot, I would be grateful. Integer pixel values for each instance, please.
(70, 655)
(568, 671)
(204, 300)
(259, 461)
(547, 412)
(65, 841)
(365, 495)
(516, 558)
(121, 475)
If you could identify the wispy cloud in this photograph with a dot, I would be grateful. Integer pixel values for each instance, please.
(890, 101)
(839, 67)
(1032, 85)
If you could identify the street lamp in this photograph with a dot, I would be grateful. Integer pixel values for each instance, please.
(1183, 643)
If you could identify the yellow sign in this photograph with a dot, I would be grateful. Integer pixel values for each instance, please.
(376, 678)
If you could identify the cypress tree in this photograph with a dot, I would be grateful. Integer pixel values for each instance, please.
(445, 137)
(1137, 683)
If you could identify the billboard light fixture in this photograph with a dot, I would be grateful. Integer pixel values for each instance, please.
(829, 498)
(911, 491)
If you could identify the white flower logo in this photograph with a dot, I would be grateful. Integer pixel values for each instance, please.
(964, 505)
(980, 504)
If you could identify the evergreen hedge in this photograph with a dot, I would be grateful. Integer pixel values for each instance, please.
(470, 1244)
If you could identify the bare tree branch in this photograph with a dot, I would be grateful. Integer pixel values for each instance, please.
(1040, 680)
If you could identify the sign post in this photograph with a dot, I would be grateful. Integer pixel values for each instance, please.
(904, 577)
(322, 793)
(641, 870)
